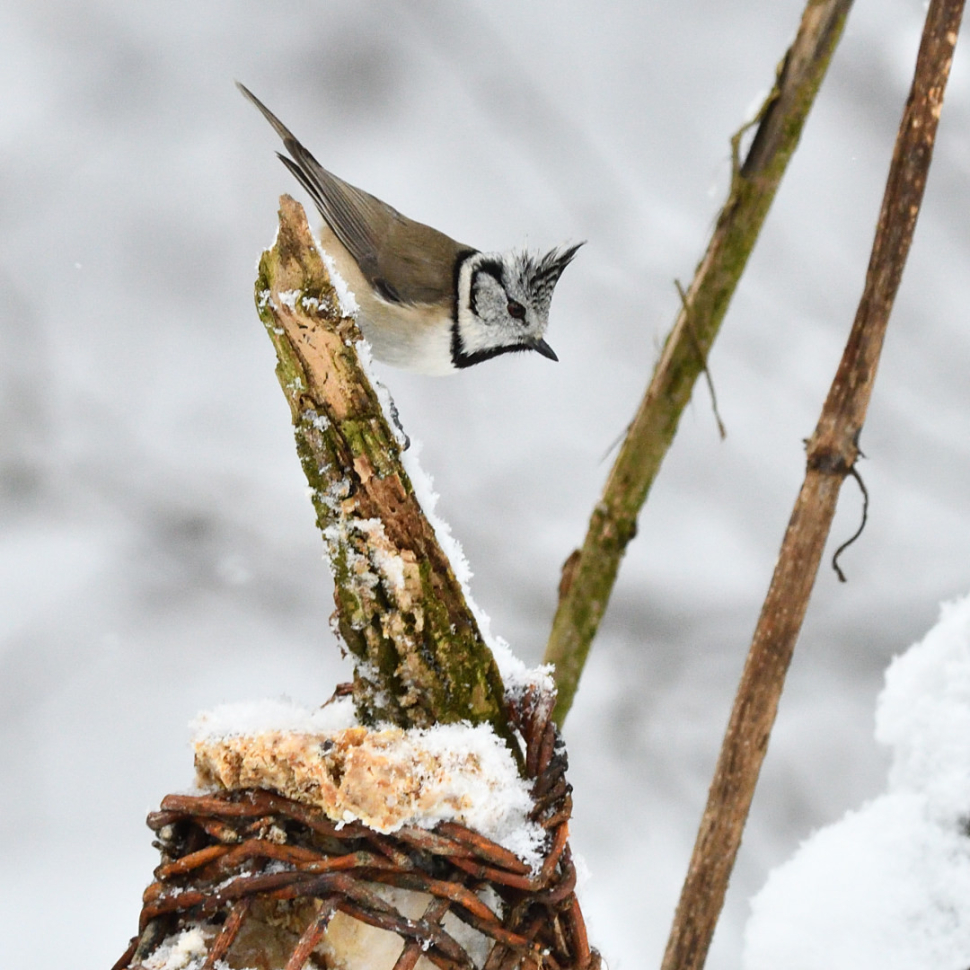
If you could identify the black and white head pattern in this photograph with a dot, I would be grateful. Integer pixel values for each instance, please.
(503, 303)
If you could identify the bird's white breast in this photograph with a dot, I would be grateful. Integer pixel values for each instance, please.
(415, 338)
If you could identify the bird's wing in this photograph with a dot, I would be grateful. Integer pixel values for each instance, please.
(405, 261)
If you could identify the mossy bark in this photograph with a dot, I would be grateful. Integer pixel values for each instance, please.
(420, 657)
(590, 572)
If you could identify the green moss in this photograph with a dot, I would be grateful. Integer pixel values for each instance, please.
(753, 187)
(445, 672)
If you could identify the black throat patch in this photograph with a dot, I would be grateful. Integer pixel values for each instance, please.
(460, 359)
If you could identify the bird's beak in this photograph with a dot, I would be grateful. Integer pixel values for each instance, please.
(543, 348)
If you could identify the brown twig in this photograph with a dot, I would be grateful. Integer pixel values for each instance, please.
(312, 935)
(411, 953)
(832, 452)
(227, 935)
(592, 571)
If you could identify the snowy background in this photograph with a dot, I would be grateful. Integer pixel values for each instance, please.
(157, 551)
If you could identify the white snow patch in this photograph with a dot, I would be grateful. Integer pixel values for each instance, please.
(345, 297)
(515, 675)
(316, 420)
(924, 716)
(388, 406)
(496, 797)
(389, 566)
(333, 497)
(272, 245)
(888, 886)
(289, 297)
(336, 536)
(281, 714)
(186, 951)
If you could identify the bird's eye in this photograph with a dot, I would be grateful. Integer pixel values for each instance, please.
(516, 310)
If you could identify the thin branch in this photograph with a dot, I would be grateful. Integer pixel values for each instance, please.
(753, 187)
(420, 657)
(832, 452)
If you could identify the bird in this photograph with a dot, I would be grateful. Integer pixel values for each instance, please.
(426, 302)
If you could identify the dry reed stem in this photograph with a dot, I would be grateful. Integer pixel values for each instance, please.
(832, 453)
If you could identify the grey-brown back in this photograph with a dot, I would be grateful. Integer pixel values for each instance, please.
(403, 260)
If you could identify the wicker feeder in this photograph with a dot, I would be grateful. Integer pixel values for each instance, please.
(252, 879)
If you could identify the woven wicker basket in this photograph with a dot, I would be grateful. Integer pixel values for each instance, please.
(252, 879)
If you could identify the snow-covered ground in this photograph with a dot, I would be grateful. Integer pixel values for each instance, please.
(888, 885)
(157, 551)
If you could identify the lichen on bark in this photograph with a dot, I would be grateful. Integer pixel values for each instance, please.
(420, 657)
